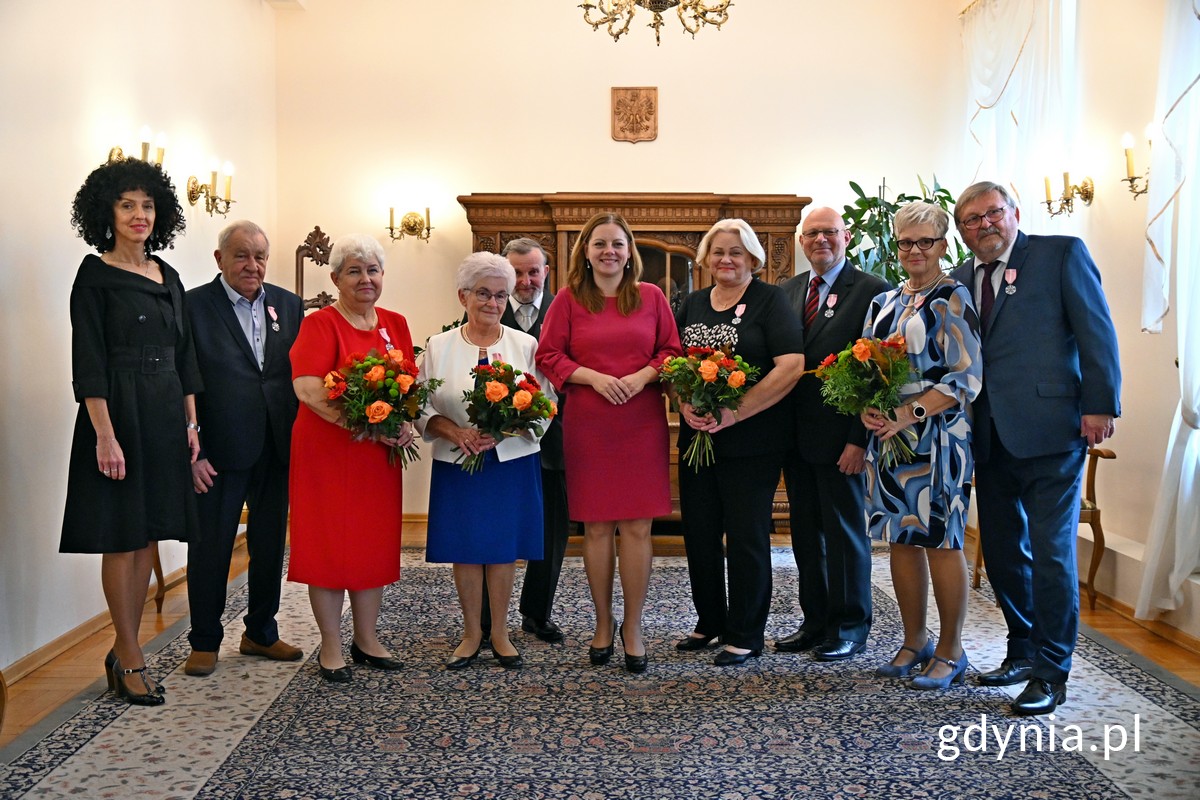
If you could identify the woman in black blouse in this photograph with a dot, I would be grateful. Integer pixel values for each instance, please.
(134, 372)
(733, 497)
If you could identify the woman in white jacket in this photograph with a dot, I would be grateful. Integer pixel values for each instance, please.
(481, 522)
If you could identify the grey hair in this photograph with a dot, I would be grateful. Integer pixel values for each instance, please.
(922, 213)
(355, 245)
(979, 189)
(524, 246)
(481, 266)
(749, 242)
(237, 227)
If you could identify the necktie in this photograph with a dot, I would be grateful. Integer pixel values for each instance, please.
(814, 300)
(525, 316)
(987, 295)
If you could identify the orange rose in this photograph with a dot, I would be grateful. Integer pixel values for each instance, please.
(333, 379)
(862, 350)
(495, 391)
(708, 371)
(378, 411)
(737, 378)
(375, 374)
(405, 382)
(521, 400)
(553, 409)
(396, 355)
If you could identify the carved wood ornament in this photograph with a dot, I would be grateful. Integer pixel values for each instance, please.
(634, 113)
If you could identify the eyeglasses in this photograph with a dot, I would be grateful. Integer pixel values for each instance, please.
(975, 220)
(483, 296)
(828, 233)
(922, 244)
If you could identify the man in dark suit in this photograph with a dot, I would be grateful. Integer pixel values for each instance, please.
(824, 474)
(525, 311)
(1051, 389)
(243, 329)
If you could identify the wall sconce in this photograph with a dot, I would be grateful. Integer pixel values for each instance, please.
(212, 203)
(1085, 191)
(1132, 178)
(411, 224)
(160, 147)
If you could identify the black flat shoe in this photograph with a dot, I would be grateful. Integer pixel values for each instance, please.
(462, 662)
(798, 642)
(510, 662)
(727, 658)
(379, 662)
(1010, 672)
(546, 631)
(838, 649)
(599, 656)
(690, 643)
(633, 663)
(1039, 697)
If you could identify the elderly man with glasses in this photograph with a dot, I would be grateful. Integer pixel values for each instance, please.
(824, 473)
(1051, 389)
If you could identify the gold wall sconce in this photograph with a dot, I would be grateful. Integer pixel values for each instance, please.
(212, 202)
(1085, 191)
(1138, 184)
(160, 147)
(411, 224)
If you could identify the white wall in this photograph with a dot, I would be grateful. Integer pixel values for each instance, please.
(76, 78)
(339, 110)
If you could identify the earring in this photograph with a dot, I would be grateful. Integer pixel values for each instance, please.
(627, 263)
(588, 263)
(108, 233)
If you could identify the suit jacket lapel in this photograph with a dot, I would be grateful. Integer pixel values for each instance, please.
(842, 286)
(1016, 261)
(273, 339)
(224, 310)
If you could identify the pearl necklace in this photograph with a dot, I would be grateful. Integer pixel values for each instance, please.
(918, 294)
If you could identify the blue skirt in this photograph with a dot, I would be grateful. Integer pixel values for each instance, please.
(491, 517)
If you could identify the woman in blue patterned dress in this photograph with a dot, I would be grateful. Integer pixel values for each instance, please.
(920, 508)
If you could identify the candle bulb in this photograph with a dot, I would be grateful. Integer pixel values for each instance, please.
(1049, 196)
(146, 142)
(227, 168)
(427, 218)
(392, 218)
(1067, 185)
(160, 147)
(1127, 143)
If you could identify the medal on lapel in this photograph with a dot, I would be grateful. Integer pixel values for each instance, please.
(274, 318)
(829, 304)
(1010, 276)
(737, 313)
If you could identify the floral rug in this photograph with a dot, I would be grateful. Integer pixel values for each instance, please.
(782, 726)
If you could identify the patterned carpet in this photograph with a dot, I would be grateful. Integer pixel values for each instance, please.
(782, 726)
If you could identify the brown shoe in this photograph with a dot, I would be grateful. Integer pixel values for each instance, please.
(200, 662)
(280, 651)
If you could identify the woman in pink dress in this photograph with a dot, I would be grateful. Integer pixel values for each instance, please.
(345, 496)
(602, 341)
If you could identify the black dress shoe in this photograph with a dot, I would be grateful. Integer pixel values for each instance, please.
(838, 649)
(1011, 671)
(546, 631)
(1039, 697)
(510, 662)
(378, 662)
(702, 642)
(798, 642)
(462, 662)
(728, 658)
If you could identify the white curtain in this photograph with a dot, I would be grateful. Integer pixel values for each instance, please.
(1173, 242)
(1020, 60)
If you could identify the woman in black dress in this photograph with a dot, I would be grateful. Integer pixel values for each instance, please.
(134, 376)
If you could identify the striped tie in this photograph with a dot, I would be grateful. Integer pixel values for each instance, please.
(814, 300)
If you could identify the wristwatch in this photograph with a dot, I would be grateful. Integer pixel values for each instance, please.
(192, 426)
(919, 411)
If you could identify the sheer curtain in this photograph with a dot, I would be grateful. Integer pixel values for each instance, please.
(1020, 57)
(1173, 248)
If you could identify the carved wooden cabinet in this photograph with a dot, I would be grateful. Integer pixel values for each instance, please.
(667, 227)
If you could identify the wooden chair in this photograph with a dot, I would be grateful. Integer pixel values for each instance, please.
(1089, 514)
(317, 248)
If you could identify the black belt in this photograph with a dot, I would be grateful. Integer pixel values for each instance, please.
(147, 359)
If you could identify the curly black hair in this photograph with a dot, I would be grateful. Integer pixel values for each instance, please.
(92, 210)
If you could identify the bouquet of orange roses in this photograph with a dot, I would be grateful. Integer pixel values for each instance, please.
(378, 394)
(870, 374)
(708, 380)
(504, 402)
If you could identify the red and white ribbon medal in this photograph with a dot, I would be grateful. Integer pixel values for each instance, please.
(830, 302)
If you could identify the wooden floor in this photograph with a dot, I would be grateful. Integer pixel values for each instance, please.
(46, 688)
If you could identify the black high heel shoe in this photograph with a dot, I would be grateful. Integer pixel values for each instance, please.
(111, 659)
(116, 682)
(379, 662)
(633, 663)
(599, 656)
(340, 675)
(462, 662)
(509, 662)
(689, 643)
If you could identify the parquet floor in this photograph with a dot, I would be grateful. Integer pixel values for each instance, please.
(46, 688)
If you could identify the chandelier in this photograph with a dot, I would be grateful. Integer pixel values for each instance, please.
(617, 14)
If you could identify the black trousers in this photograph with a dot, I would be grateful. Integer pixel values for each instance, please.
(264, 490)
(831, 548)
(730, 500)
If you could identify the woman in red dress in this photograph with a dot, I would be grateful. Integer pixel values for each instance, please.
(345, 497)
(602, 342)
